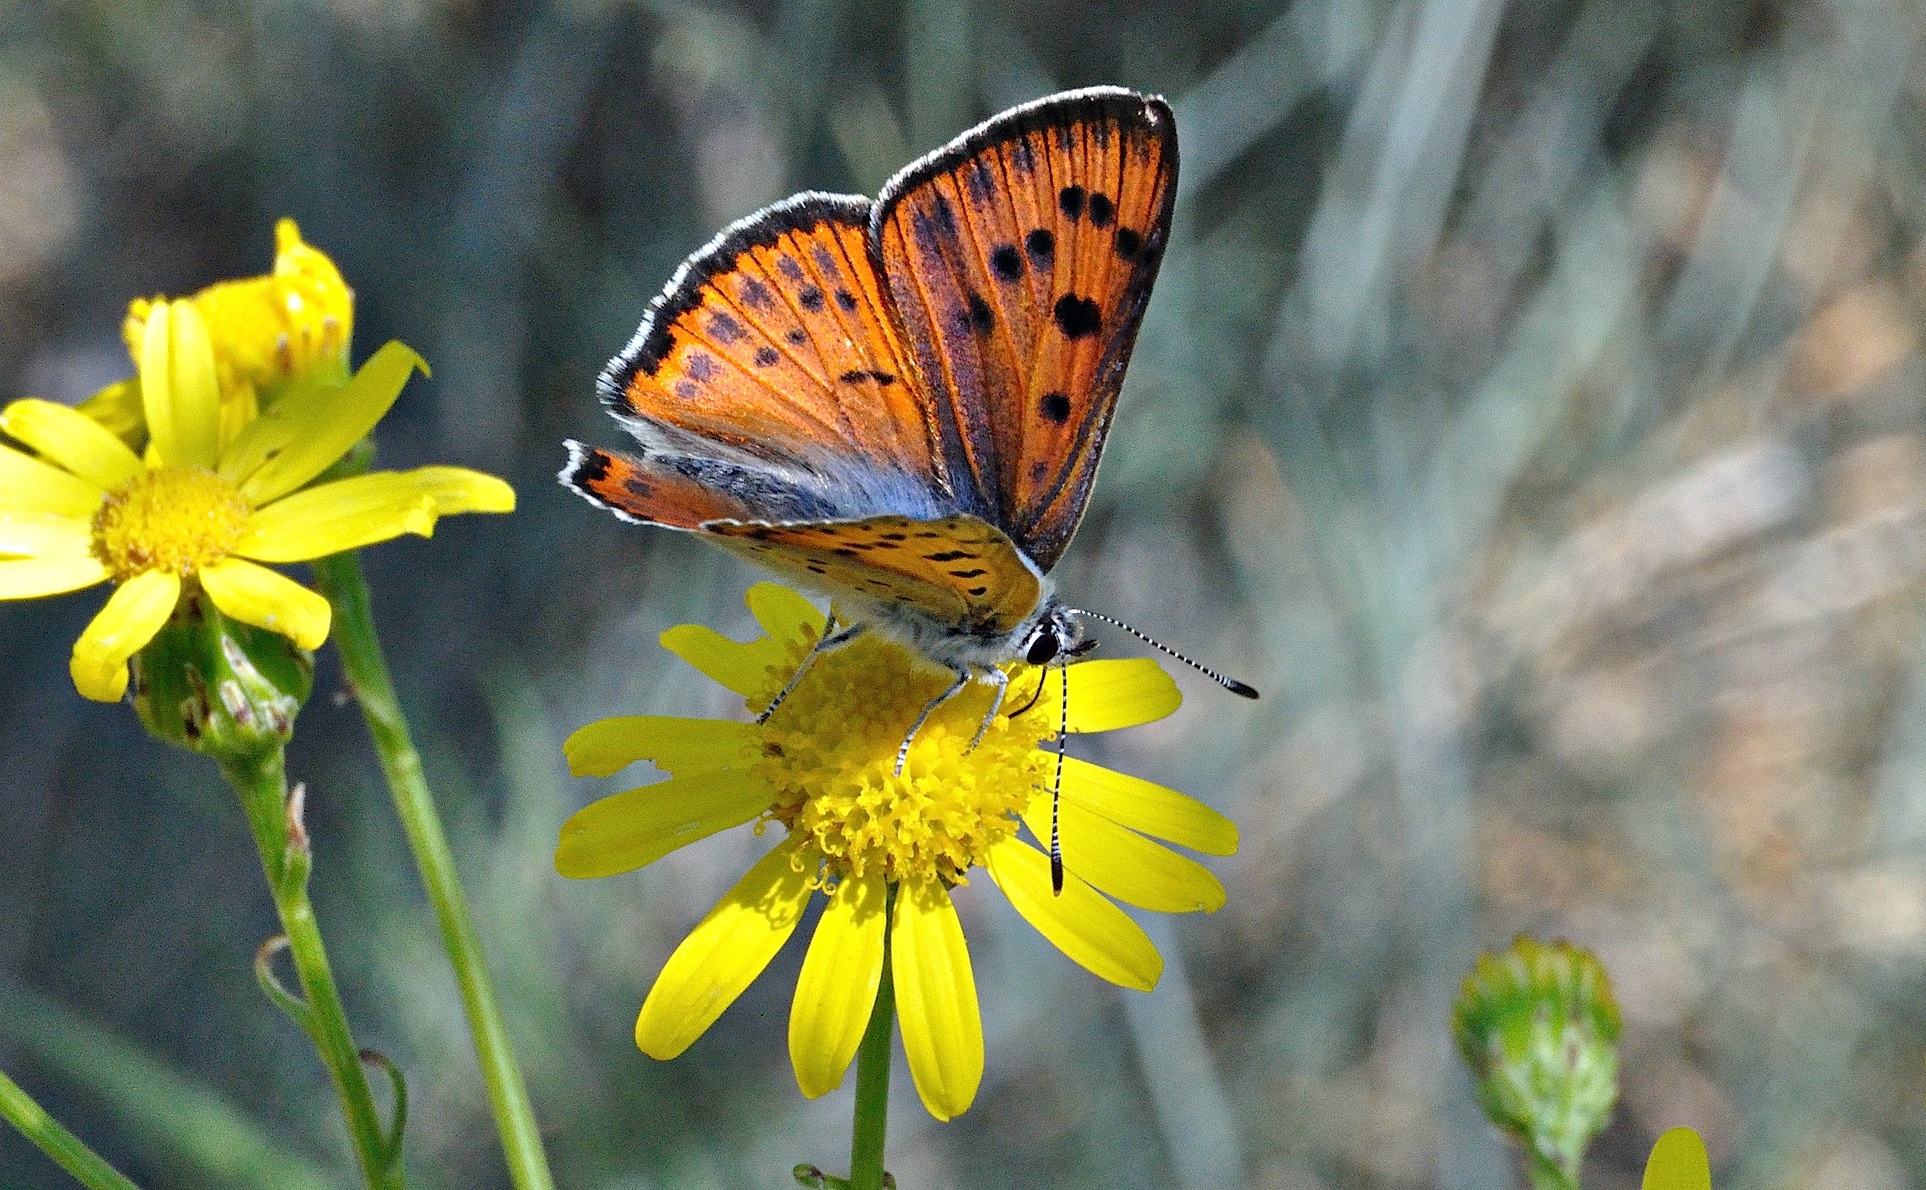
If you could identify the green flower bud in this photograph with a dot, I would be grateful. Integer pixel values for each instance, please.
(1539, 1028)
(217, 686)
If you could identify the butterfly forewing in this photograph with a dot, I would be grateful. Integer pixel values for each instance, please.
(1020, 259)
(958, 569)
(775, 343)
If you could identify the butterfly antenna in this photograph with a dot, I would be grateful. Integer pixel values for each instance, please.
(1056, 792)
(1225, 680)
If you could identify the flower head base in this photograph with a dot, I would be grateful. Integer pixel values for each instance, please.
(218, 686)
(830, 755)
(176, 519)
(1539, 1028)
(822, 767)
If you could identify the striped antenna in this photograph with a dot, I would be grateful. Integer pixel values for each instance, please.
(1226, 681)
(1056, 790)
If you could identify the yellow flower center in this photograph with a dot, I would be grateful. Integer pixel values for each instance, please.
(830, 752)
(176, 519)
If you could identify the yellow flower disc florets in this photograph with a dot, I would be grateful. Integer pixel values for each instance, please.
(830, 752)
(176, 519)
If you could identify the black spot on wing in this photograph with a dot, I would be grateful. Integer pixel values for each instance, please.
(982, 318)
(1070, 202)
(796, 335)
(1006, 262)
(858, 375)
(810, 298)
(1055, 407)
(1041, 244)
(685, 389)
(1101, 209)
(1078, 317)
(787, 266)
(593, 467)
(702, 366)
(1128, 243)
(755, 294)
(846, 300)
(766, 357)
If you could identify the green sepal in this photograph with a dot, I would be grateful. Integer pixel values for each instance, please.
(217, 686)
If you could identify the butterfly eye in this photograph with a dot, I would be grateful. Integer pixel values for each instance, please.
(1043, 647)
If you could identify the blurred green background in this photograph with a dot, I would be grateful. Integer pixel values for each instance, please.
(1531, 406)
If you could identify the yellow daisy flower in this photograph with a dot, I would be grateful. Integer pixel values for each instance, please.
(209, 500)
(822, 768)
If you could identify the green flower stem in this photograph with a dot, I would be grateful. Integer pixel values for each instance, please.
(872, 1080)
(1547, 1174)
(89, 1168)
(285, 859)
(341, 579)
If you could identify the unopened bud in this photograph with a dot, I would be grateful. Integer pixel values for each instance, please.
(1539, 1028)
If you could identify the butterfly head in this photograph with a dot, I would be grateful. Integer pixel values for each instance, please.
(1054, 632)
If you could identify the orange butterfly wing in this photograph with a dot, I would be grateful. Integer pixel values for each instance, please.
(1020, 259)
(772, 368)
(957, 569)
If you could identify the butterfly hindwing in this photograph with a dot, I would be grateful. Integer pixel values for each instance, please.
(776, 344)
(958, 569)
(1020, 259)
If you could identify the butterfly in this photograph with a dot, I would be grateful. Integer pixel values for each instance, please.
(901, 403)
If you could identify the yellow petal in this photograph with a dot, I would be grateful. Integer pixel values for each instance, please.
(25, 533)
(117, 409)
(783, 613)
(1095, 933)
(71, 439)
(611, 745)
(724, 954)
(26, 482)
(30, 578)
(457, 490)
(837, 987)
(1152, 809)
(132, 616)
(344, 515)
(1124, 864)
(638, 827)
(936, 997)
(1678, 1162)
(744, 666)
(305, 432)
(1106, 695)
(258, 596)
(179, 392)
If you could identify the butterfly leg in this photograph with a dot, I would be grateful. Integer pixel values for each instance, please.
(824, 643)
(962, 679)
(1001, 681)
